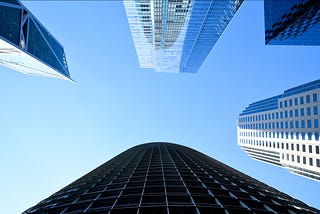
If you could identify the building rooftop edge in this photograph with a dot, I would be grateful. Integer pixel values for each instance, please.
(254, 107)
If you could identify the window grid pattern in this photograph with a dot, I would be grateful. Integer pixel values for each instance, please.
(167, 178)
(294, 22)
(286, 135)
(177, 35)
(208, 20)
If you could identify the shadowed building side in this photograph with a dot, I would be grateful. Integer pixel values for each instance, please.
(27, 46)
(167, 178)
(294, 22)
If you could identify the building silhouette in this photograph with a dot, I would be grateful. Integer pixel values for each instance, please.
(168, 178)
(284, 130)
(294, 22)
(177, 36)
(27, 46)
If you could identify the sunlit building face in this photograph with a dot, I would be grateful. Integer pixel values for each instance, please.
(177, 35)
(284, 130)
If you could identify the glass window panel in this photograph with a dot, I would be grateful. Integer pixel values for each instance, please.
(58, 49)
(10, 24)
(315, 97)
(11, 1)
(310, 161)
(315, 110)
(309, 123)
(308, 98)
(301, 100)
(308, 111)
(39, 48)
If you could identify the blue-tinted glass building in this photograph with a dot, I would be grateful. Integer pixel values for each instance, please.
(284, 130)
(177, 35)
(27, 46)
(292, 22)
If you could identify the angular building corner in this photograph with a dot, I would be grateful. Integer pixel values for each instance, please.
(294, 22)
(284, 130)
(177, 35)
(27, 46)
(168, 178)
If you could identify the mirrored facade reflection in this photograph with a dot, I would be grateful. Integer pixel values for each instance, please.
(294, 22)
(26, 45)
(177, 35)
(284, 130)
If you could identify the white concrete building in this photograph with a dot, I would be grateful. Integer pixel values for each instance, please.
(284, 130)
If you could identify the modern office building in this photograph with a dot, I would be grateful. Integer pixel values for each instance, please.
(294, 22)
(26, 45)
(177, 35)
(167, 178)
(284, 130)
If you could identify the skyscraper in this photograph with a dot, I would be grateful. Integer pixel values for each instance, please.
(167, 178)
(177, 35)
(27, 46)
(294, 22)
(284, 130)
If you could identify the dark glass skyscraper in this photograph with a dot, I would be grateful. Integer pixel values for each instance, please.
(26, 45)
(292, 22)
(167, 178)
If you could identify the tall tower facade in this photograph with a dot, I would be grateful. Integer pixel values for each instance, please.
(27, 46)
(167, 178)
(284, 130)
(177, 35)
(294, 22)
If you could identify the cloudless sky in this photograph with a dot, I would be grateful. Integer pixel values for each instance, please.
(52, 132)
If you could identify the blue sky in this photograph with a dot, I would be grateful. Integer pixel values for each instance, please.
(53, 131)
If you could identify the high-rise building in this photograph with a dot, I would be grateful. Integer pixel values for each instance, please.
(284, 130)
(167, 178)
(26, 45)
(294, 22)
(177, 35)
